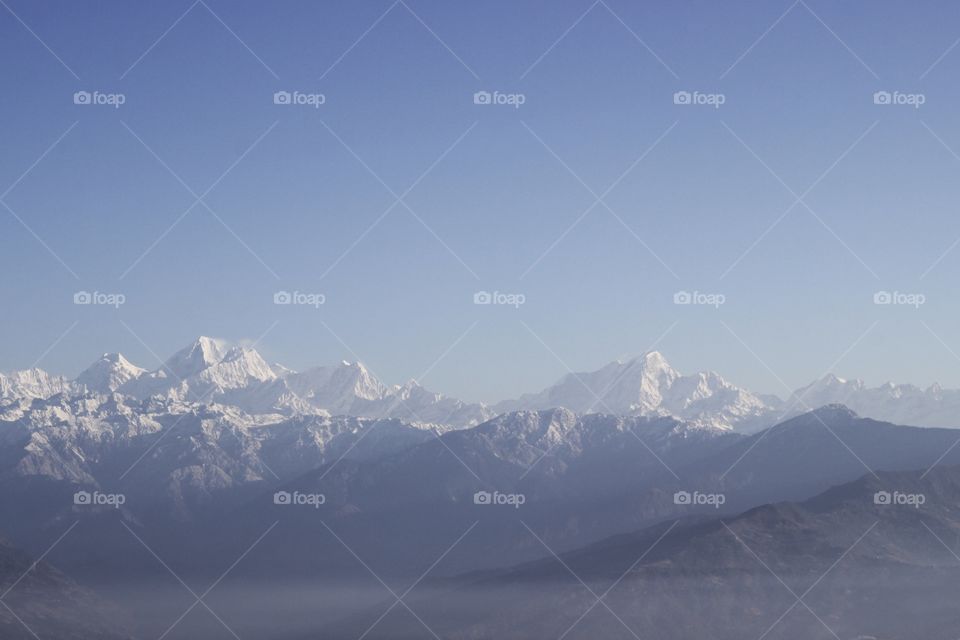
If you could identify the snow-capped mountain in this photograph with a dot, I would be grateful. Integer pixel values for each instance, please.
(204, 368)
(31, 383)
(207, 370)
(200, 355)
(414, 403)
(109, 373)
(237, 369)
(181, 454)
(349, 388)
(213, 371)
(648, 385)
(899, 403)
(338, 388)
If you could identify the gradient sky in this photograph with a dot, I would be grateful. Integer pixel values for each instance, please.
(598, 80)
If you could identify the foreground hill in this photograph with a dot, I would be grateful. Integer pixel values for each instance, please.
(875, 558)
(41, 602)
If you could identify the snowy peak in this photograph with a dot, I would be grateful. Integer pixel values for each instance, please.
(827, 390)
(654, 364)
(212, 371)
(337, 388)
(204, 352)
(32, 383)
(239, 367)
(354, 378)
(619, 387)
(898, 403)
(109, 373)
(205, 371)
(648, 385)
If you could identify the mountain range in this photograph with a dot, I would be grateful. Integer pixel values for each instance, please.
(596, 489)
(210, 371)
(320, 489)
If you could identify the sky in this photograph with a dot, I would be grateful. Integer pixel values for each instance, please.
(629, 152)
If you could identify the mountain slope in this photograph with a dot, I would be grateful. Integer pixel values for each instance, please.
(48, 604)
(173, 459)
(807, 454)
(582, 478)
(863, 570)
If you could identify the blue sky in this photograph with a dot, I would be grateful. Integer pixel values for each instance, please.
(296, 198)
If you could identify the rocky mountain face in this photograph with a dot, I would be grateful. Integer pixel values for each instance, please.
(179, 457)
(31, 383)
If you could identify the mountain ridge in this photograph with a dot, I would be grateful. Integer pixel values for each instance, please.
(212, 370)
